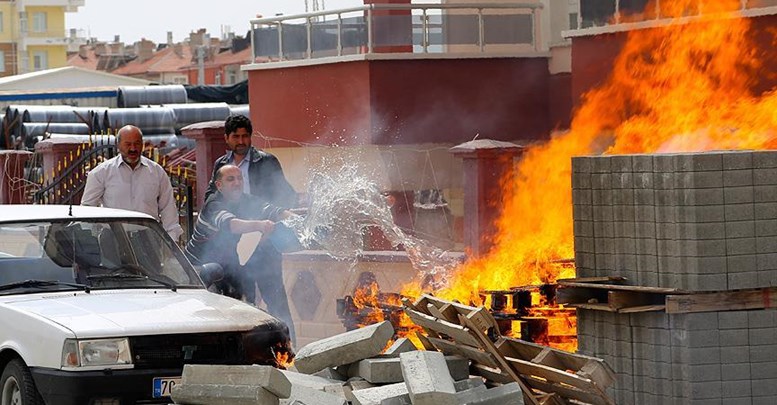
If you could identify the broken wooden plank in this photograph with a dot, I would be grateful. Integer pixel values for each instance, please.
(601, 280)
(490, 373)
(469, 352)
(568, 392)
(625, 299)
(736, 300)
(440, 326)
(636, 288)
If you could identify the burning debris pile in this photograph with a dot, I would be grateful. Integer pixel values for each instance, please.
(465, 361)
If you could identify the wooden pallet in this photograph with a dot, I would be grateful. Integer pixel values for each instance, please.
(546, 375)
(603, 295)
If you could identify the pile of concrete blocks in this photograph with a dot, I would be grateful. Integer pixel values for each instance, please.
(355, 368)
(696, 222)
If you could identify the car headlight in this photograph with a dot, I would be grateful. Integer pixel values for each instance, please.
(96, 353)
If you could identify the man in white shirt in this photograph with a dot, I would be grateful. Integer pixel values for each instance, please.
(133, 182)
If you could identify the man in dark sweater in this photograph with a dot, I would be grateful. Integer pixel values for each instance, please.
(226, 216)
(263, 178)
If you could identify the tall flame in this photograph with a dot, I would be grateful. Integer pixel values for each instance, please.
(685, 86)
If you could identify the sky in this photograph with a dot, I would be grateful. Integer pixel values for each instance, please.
(152, 19)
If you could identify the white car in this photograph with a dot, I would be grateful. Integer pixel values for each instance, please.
(100, 306)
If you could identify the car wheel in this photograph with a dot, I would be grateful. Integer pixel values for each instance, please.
(17, 386)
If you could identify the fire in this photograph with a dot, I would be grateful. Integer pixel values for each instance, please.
(371, 304)
(283, 358)
(686, 86)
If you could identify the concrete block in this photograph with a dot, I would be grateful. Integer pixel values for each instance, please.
(764, 159)
(601, 181)
(582, 164)
(741, 263)
(400, 400)
(581, 181)
(332, 373)
(705, 372)
(357, 383)
(601, 164)
(735, 371)
(742, 229)
(663, 181)
(389, 370)
(733, 338)
(582, 212)
(765, 244)
(699, 180)
(764, 177)
(468, 384)
(739, 212)
(622, 182)
(310, 381)
(508, 394)
(736, 160)
(732, 320)
(764, 194)
(376, 395)
(665, 198)
(765, 400)
(400, 345)
(604, 229)
(744, 246)
(623, 213)
(738, 281)
(601, 198)
(763, 354)
(643, 182)
(703, 355)
(767, 278)
(738, 178)
(763, 371)
(766, 318)
(645, 213)
(706, 390)
(765, 227)
(766, 261)
(221, 394)
(427, 378)
(583, 228)
(763, 388)
(620, 163)
(345, 348)
(699, 248)
(701, 214)
(705, 231)
(309, 396)
(739, 195)
(267, 377)
(642, 163)
(689, 162)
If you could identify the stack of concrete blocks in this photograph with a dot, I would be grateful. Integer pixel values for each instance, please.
(697, 222)
(352, 368)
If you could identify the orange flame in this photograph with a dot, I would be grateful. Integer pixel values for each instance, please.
(283, 358)
(686, 86)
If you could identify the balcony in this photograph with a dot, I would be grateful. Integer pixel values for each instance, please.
(385, 31)
(44, 38)
(69, 5)
(601, 16)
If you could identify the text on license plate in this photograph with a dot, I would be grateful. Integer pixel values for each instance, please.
(163, 386)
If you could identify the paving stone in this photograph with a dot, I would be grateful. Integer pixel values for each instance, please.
(221, 394)
(310, 396)
(376, 395)
(468, 384)
(267, 377)
(345, 348)
(400, 400)
(400, 345)
(508, 394)
(310, 381)
(427, 378)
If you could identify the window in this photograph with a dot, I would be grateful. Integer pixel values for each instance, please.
(2, 28)
(40, 60)
(39, 22)
(2, 61)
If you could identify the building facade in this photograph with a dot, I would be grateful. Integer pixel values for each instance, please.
(32, 34)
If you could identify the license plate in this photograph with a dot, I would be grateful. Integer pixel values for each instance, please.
(163, 386)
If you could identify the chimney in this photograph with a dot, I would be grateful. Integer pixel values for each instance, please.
(144, 49)
(178, 49)
(169, 38)
(73, 33)
(117, 38)
(99, 49)
(83, 51)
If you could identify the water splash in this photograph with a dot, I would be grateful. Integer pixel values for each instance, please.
(346, 200)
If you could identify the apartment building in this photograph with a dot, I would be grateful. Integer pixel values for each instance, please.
(32, 34)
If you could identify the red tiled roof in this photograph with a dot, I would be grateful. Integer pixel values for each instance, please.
(165, 60)
(225, 58)
(90, 62)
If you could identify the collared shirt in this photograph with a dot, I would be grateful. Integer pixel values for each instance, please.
(243, 166)
(147, 189)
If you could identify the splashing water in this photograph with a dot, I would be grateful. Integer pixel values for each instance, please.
(344, 203)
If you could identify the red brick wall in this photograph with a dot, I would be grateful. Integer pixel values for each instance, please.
(403, 101)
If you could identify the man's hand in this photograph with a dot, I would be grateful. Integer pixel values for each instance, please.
(264, 227)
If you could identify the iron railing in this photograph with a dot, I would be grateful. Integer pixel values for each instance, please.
(399, 28)
(594, 13)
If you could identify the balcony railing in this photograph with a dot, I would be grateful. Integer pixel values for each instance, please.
(399, 29)
(597, 13)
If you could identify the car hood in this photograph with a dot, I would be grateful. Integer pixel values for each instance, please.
(109, 313)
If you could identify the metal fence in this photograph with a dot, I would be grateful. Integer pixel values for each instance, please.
(594, 13)
(398, 28)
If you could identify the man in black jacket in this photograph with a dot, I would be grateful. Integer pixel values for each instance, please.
(263, 178)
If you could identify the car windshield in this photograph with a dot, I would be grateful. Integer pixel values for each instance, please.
(90, 254)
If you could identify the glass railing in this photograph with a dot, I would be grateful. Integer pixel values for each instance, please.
(597, 13)
(399, 28)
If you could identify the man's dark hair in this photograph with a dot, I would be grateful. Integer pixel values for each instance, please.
(234, 122)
